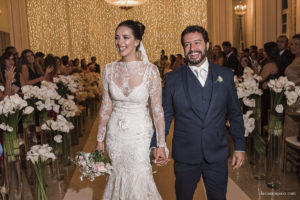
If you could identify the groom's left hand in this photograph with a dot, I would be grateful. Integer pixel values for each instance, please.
(238, 159)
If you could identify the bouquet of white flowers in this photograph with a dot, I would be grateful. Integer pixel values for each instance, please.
(30, 95)
(10, 114)
(248, 87)
(249, 92)
(282, 92)
(92, 164)
(60, 125)
(38, 155)
(67, 85)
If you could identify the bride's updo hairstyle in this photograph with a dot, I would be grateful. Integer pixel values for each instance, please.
(137, 28)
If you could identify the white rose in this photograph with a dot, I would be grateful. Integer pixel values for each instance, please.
(249, 102)
(45, 127)
(28, 110)
(279, 108)
(58, 138)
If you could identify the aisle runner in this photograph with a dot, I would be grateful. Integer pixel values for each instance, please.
(87, 190)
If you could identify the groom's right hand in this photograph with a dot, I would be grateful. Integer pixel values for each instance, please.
(160, 158)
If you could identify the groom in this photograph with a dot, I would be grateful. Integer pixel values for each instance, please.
(201, 96)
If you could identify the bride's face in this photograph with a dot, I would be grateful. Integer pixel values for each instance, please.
(125, 42)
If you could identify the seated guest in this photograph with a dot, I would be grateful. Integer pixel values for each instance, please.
(286, 57)
(39, 62)
(170, 66)
(64, 67)
(269, 71)
(218, 57)
(50, 62)
(83, 64)
(13, 50)
(292, 72)
(93, 65)
(8, 83)
(29, 74)
(244, 62)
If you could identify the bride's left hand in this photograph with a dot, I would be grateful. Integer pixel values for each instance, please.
(160, 156)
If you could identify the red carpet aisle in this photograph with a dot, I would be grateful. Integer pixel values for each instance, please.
(164, 178)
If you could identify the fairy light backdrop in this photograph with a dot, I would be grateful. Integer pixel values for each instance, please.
(83, 28)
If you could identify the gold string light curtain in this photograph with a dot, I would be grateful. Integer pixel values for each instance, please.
(83, 28)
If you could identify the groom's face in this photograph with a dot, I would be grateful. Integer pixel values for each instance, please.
(195, 48)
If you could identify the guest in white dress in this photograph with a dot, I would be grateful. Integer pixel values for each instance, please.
(125, 119)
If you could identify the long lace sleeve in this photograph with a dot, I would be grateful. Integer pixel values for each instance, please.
(156, 105)
(105, 109)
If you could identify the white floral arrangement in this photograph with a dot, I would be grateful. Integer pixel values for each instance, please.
(68, 106)
(42, 152)
(71, 82)
(9, 111)
(93, 164)
(57, 139)
(249, 123)
(284, 86)
(30, 91)
(248, 86)
(60, 124)
(47, 97)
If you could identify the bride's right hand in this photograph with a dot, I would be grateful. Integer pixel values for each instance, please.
(100, 146)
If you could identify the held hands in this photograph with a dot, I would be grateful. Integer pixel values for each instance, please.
(160, 157)
(100, 146)
(238, 159)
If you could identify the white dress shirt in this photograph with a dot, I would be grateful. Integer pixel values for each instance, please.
(201, 72)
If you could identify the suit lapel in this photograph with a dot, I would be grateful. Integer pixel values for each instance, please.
(213, 74)
(190, 84)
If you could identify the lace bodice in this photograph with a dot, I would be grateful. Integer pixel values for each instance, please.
(122, 89)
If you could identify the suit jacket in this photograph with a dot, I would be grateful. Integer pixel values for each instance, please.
(194, 134)
(232, 62)
(284, 60)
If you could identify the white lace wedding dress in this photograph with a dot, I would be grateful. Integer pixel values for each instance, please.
(125, 118)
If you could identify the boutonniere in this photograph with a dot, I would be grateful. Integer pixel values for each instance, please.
(219, 79)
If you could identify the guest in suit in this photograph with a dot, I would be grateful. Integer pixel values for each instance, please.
(231, 59)
(200, 95)
(286, 57)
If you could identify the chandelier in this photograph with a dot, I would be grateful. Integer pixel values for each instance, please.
(240, 9)
(126, 4)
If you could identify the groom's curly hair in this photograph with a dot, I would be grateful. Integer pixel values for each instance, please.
(192, 29)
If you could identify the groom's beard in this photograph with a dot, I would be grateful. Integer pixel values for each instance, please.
(196, 62)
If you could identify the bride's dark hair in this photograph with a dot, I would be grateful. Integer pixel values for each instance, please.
(137, 28)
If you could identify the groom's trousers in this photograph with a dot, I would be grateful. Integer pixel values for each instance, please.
(215, 176)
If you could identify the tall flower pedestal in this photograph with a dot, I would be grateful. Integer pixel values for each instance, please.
(66, 149)
(40, 189)
(274, 151)
(74, 132)
(30, 139)
(12, 178)
(58, 163)
(259, 149)
(39, 155)
(259, 166)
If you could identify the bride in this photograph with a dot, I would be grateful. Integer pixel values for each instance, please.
(125, 118)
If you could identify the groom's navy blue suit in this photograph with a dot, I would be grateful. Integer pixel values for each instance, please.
(200, 145)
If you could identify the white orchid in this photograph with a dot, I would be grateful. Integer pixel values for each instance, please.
(279, 108)
(58, 139)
